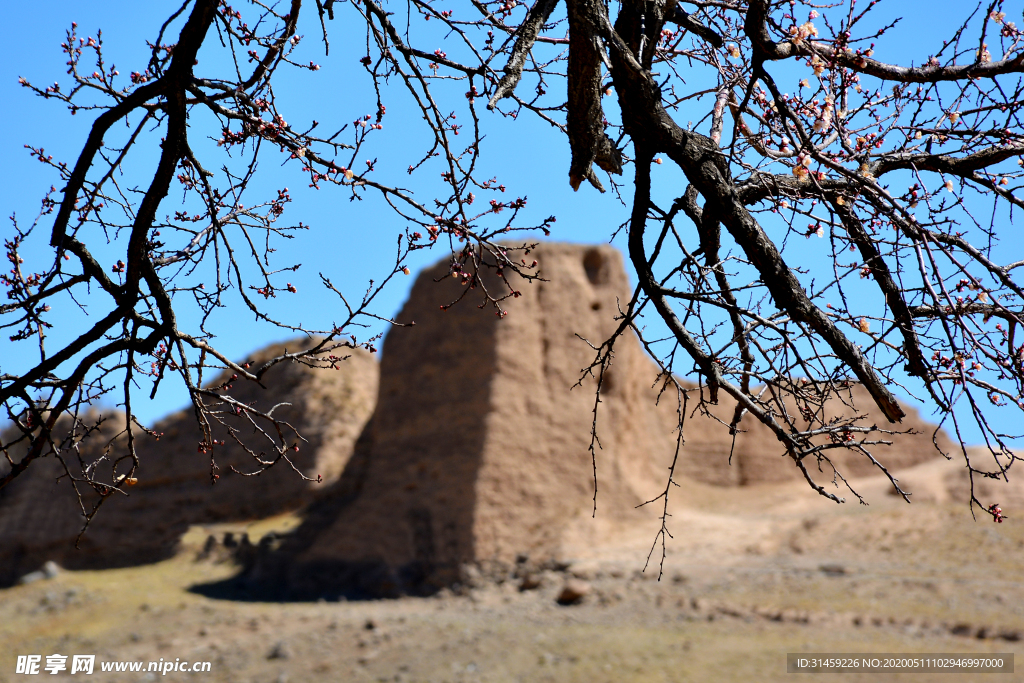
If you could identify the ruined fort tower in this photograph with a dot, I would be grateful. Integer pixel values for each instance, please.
(478, 448)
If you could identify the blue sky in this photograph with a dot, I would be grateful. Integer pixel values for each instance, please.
(349, 242)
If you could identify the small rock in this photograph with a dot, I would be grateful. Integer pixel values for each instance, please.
(832, 569)
(585, 570)
(573, 592)
(279, 651)
(961, 629)
(31, 577)
(208, 547)
(530, 582)
(49, 570)
(470, 572)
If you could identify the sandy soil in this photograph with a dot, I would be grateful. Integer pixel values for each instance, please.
(751, 575)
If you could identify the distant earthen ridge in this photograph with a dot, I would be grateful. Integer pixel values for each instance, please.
(478, 449)
(40, 516)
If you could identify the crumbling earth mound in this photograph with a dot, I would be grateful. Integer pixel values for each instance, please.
(40, 514)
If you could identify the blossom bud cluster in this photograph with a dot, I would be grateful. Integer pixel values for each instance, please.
(997, 513)
(798, 34)
(825, 120)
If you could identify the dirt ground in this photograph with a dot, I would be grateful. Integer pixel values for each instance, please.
(750, 575)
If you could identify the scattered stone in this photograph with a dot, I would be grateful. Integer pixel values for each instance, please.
(245, 553)
(560, 565)
(472, 576)
(961, 629)
(529, 582)
(31, 577)
(279, 651)
(49, 570)
(585, 571)
(573, 592)
(208, 547)
(832, 569)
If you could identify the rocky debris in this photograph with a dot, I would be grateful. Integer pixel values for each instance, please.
(208, 547)
(529, 582)
(40, 516)
(699, 609)
(49, 570)
(573, 592)
(279, 651)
